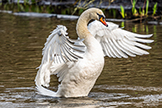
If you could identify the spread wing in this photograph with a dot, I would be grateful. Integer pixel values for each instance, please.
(58, 50)
(117, 42)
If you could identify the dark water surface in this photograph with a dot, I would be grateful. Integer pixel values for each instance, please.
(132, 82)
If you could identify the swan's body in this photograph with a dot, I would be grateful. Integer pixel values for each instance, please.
(79, 63)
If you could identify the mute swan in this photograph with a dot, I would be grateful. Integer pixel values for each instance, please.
(78, 63)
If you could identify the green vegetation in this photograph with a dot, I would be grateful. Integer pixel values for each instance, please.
(123, 14)
(140, 12)
(154, 9)
(134, 10)
(32, 7)
(26, 7)
(147, 6)
(86, 4)
(79, 6)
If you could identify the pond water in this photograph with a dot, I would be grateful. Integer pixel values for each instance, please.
(132, 82)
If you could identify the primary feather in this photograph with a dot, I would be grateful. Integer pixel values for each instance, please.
(117, 42)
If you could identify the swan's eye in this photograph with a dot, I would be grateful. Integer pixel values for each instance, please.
(100, 16)
(102, 19)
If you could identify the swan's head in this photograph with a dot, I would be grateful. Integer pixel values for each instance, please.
(97, 14)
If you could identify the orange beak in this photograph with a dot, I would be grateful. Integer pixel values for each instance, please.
(103, 21)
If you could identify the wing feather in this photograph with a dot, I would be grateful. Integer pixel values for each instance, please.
(114, 49)
(120, 49)
(105, 49)
(125, 49)
(61, 48)
(117, 42)
(109, 49)
(58, 51)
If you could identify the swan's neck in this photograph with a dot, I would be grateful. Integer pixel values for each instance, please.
(81, 26)
(91, 43)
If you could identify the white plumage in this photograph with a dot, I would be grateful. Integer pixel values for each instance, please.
(117, 42)
(78, 63)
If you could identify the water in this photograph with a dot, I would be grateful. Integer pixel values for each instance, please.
(132, 82)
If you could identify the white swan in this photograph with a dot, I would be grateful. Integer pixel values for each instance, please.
(79, 63)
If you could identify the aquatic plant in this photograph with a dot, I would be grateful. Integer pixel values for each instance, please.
(134, 10)
(20, 6)
(78, 7)
(142, 12)
(147, 6)
(154, 9)
(122, 11)
(114, 13)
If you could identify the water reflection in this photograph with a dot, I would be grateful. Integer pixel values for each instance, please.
(132, 82)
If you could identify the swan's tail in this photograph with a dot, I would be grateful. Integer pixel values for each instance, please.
(45, 92)
(43, 78)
